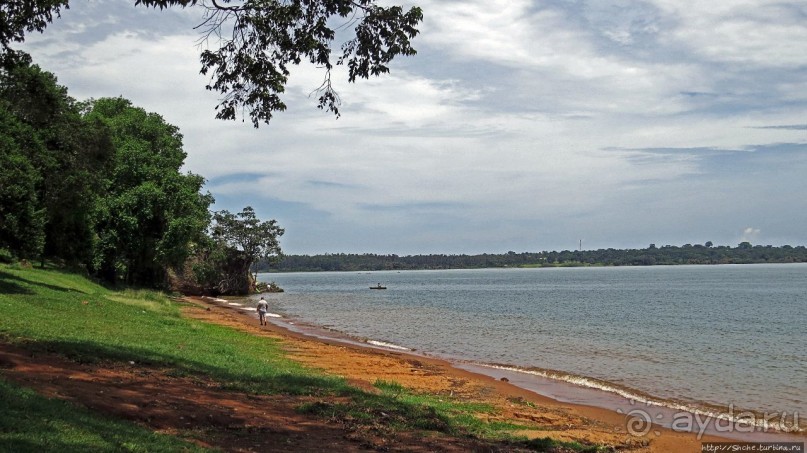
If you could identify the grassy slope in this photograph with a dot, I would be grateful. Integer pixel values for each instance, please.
(31, 423)
(65, 313)
(52, 311)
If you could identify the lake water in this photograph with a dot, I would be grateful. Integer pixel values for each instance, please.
(682, 336)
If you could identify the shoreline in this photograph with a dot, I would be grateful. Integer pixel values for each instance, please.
(686, 353)
(599, 408)
(729, 422)
(621, 401)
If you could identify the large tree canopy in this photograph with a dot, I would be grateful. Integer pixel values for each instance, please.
(22, 218)
(151, 211)
(44, 134)
(98, 186)
(248, 46)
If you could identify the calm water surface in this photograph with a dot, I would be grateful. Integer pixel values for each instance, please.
(699, 335)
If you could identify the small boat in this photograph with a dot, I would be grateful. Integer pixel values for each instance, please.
(378, 286)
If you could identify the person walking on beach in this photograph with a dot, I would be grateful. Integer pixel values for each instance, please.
(263, 307)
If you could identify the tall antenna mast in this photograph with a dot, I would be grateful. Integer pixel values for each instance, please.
(581, 245)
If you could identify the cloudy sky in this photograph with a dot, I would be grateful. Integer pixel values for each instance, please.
(520, 125)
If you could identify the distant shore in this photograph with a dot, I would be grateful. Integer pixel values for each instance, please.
(667, 255)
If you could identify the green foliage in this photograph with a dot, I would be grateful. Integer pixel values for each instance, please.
(248, 234)
(96, 185)
(257, 41)
(222, 270)
(151, 212)
(18, 17)
(22, 219)
(64, 156)
(248, 46)
(6, 256)
(238, 241)
(99, 186)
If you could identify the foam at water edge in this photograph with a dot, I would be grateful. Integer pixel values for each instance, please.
(594, 384)
(387, 345)
(214, 299)
(273, 315)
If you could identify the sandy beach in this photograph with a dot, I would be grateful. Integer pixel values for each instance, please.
(363, 365)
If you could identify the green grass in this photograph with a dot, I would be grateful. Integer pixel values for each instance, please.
(66, 313)
(458, 416)
(397, 408)
(460, 419)
(31, 423)
(47, 310)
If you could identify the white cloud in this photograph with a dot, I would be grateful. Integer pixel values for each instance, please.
(530, 124)
(750, 234)
(763, 33)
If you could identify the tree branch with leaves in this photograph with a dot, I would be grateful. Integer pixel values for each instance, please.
(247, 46)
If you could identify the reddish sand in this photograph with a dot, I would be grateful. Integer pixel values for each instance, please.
(196, 408)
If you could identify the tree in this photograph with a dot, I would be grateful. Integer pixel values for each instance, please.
(64, 151)
(249, 45)
(223, 263)
(245, 232)
(22, 218)
(152, 213)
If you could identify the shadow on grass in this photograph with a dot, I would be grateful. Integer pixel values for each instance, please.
(382, 413)
(32, 423)
(9, 285)
(301, 383)
(360, 407)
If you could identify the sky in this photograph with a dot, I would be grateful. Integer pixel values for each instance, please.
(518, 126)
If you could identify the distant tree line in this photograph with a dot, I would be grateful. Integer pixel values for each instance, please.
(98, 186)
(744, 253)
